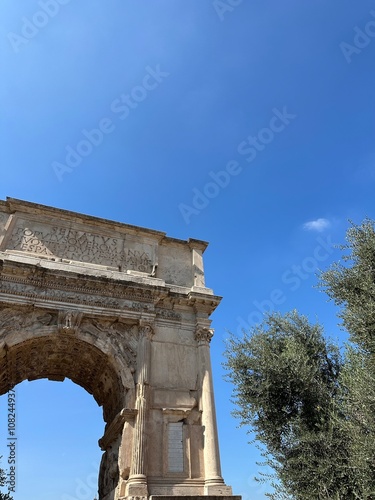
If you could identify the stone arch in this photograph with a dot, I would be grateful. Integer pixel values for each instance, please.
(40, 343)
(123, 312)
(57, 357)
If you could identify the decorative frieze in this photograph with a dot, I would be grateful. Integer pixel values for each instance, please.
(168, 314)
(49, 291)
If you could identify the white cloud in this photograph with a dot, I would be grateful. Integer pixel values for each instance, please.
(318, 225)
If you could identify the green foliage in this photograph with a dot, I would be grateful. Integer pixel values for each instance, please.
(357, 383)
(286, 379)
(313, 411)
(3, 496)
(351, 285)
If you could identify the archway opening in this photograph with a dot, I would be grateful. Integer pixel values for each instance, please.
(62, 357)
(57, 430)
(57, 357)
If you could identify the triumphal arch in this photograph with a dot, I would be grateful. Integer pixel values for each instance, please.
(124, 312)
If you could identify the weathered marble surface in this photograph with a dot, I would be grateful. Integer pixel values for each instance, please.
(124, 312)
(58, 235)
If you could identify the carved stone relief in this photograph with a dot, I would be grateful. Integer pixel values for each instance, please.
(204, 335)
(69, 321)
(168, 314)
(123, 337)
(109, 470)
(56, 241)
(14, 319)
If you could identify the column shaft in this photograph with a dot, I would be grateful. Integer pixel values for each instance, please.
(214, 483)
(137, 482)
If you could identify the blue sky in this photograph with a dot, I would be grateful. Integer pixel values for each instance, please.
(249, 124)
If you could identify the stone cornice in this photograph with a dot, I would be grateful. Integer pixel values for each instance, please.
(38, 276)
(26, 207)
(28, 281)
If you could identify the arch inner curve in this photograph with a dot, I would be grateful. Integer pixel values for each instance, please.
(57, 357)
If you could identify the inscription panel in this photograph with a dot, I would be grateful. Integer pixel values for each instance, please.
(175, 447)
(55, 241)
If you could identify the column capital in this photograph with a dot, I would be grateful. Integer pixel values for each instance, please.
(146, 329)
(203, 335)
